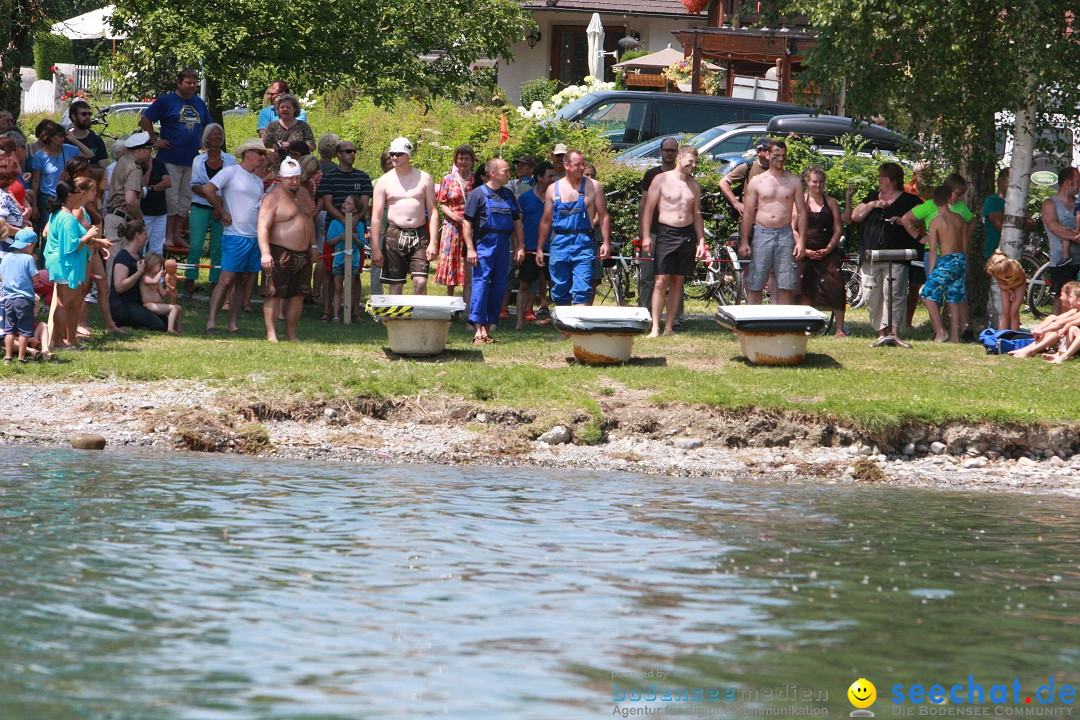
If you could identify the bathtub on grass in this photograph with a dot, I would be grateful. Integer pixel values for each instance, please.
(602, 335)
(416, 324)
(772, 334)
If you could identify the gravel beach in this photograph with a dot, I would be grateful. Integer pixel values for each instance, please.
(637, 438)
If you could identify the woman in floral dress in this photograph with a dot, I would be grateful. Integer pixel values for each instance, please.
(453, 191)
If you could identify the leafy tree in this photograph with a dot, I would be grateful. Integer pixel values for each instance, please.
(19, 19)
(942, 69)
(374, 46)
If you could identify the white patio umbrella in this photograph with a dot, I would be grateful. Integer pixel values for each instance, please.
(595, 33)
(94, 25)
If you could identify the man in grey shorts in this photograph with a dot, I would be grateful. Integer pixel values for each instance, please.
(770, 198)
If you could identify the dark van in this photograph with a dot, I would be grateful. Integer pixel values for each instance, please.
(824, 130)
(627, 118)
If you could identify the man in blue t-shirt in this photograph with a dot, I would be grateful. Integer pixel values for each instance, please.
(183, 116)
(532, 211)
(268, 114)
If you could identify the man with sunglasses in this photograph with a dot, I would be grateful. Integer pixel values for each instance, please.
(81, 121)
(410, 240)
(342, 181)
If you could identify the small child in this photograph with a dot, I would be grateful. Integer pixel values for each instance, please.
(1012, 282)
(947, 277)
(335, 235)
(152, 291)
(1054, 330)
(17, 272)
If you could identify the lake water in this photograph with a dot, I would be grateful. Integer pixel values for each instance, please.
(210, 587)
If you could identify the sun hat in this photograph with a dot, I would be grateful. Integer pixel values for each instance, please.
(250, 144)
(525, 160)
(560, 149)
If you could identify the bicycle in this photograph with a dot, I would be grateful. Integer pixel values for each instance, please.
(619, 280)
(720, 276)
(100, 119)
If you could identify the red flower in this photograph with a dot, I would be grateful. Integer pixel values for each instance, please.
(52, 69)
(71, 80)
(693, 7)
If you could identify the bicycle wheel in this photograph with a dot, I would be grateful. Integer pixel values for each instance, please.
(729, 288)
(1032, 262)
(1039, 298)
(853, 286)
(606, 291)
(701, 285)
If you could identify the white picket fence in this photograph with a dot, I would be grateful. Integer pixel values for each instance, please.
(88, 77)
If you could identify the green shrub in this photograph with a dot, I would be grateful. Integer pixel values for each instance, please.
(49, 50)
(539, 89)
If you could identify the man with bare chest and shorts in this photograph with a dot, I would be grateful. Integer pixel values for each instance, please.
(678, 197)
(769, 200)
(411, 239)
(287, 246)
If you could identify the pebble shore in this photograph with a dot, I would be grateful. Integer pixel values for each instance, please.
(151, 416)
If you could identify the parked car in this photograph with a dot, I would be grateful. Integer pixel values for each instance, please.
(722, 139)
(627, 118)
(824, 130)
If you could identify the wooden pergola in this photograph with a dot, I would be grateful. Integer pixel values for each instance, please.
(735, 45)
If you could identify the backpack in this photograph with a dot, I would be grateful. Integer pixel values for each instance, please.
(999, 342)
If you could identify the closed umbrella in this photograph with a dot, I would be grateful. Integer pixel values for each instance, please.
(595, 33)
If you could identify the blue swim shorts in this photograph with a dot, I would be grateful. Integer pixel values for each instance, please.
(948, 281)
(240, 254)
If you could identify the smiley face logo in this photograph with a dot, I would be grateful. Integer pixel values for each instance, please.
(862, 693)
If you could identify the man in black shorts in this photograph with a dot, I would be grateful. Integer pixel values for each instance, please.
(677, 198)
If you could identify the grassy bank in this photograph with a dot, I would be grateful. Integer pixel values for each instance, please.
(844, 379)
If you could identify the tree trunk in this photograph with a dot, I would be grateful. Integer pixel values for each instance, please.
(980, 169)
(213, 99)
(1012, 232)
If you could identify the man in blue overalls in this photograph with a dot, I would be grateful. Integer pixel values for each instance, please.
(569, 208)
(494, 219)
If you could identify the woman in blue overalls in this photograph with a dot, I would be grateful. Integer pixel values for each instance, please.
(571, 252)
(494, 218)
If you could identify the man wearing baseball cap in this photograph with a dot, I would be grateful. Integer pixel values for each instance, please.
(734, 184)
(236, 192)
(127, 183)
(524, 168)
(558, 157)
(287, 249)
(411, 238)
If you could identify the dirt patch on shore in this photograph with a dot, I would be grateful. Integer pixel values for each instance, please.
(622, 429)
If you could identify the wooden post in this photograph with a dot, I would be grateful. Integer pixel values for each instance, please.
(785, 73)
(347, 288)
(695, 76)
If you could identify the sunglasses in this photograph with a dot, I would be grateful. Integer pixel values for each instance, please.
(397, 154)
(350, 151)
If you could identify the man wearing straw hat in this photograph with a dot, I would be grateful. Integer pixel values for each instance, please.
(287, 248)
(236, 193)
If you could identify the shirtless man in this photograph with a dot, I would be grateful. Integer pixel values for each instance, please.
(678, 196)
(287, 247)
(412, 236)
(946, 275)
(570, 205)
(769, 200)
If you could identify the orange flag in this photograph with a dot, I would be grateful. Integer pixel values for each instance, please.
(504, 130)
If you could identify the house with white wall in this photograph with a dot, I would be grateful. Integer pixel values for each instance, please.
(559, 49)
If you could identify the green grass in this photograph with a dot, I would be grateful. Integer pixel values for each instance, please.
(845, 379)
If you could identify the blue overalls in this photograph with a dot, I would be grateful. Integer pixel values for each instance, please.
(492, 242)
(571, 252)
